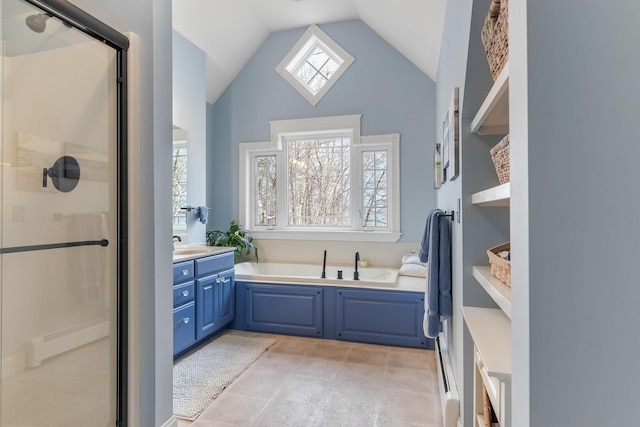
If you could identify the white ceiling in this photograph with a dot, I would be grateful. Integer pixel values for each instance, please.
(230, 31)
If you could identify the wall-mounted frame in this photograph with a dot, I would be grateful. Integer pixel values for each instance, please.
(437, 165)
(451, 139)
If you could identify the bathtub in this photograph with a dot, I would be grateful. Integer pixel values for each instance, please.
(370, 277)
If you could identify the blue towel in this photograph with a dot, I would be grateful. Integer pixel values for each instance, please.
(436, 251)
(203, 214)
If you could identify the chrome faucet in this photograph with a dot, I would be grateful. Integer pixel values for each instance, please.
(174, 240)
(356, 275)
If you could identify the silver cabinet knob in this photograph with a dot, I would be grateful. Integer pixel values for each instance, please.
(185, 320)
(185, 293)
(185, 272)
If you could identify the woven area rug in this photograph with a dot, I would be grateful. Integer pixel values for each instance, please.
(200, 377)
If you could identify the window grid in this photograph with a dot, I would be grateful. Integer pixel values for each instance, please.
(316, 69)
(375, 187)
(265, 190)
(179, 178)
(319, 182)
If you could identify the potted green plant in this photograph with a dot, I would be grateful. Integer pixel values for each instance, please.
(234, 237)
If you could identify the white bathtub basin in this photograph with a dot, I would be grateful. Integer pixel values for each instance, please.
(311, 274)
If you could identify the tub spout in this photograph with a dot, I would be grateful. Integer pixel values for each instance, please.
(356, 275)
(324, 266)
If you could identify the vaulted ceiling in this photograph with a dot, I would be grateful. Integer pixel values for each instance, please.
(230, 31)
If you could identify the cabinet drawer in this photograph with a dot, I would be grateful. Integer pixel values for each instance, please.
(182, 272)
(184, 327)
(213, 264)
(183, 293)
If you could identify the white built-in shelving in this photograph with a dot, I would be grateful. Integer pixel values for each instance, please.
(490, 331)
(497, 290)
(493, 116)
(490, 328)
(495, 196)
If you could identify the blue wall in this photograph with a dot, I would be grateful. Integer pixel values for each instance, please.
(391, 93)
(189, 112)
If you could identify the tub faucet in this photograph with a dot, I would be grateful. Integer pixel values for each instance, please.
(174, 240)
(356, 275)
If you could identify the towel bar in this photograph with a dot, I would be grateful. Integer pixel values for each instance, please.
(192, 208)
(452, 215)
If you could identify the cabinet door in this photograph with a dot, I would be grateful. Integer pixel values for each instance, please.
(381, 317)
(284, 309)
(184, 327)
(226, 297)
(206, 300)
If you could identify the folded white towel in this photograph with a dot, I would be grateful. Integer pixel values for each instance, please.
(412, 258)
(413, 270)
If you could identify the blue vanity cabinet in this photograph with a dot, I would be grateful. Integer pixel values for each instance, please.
(206, 321)
(203, 299)
(184, 311)
(226, 296)
(380, 317)
(215, 288)
(284, 309)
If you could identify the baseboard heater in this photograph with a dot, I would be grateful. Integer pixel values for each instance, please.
(55, 343)
(449, 399)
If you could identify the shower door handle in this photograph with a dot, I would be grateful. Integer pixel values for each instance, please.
(103, 242)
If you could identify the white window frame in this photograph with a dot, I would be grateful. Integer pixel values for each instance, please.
(314, 36)
(280, 129)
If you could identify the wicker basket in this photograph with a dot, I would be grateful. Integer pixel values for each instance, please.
(501, 160)
(500, 267)
(486, 407)
(495, 36)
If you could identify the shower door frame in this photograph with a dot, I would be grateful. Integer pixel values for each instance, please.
(83, 21)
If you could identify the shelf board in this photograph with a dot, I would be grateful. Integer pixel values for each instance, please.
(497, 290)
(493, 116)
(495, 196)
(490, 330)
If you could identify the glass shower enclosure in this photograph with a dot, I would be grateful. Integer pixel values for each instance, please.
(63, 206)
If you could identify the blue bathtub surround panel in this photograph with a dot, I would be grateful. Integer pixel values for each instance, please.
(294, 310)
(436, 252)
(380, 317)
(387, 317)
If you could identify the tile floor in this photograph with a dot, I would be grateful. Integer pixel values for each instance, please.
(313, 382)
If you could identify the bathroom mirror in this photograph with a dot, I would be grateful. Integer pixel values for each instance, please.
(179, 179)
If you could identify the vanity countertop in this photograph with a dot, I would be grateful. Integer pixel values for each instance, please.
(187, 252)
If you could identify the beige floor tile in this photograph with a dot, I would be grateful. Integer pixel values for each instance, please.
(318, 368)
(233, 409)
(296, 347)
(418, 380)
(360, 374)
(304, 390)
(368, 356)
(280, 362)
(404, 405)
(329, 352)
(286, 413)
(409, 359)
(258, 383)
(330, 383)
(387, 422)
(350, 405)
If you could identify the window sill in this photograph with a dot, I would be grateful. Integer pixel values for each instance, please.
(341, 236)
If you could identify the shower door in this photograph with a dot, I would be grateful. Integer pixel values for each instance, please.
(62, 231)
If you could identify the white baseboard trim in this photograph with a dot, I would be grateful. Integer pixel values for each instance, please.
(171, 422)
